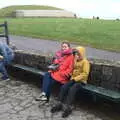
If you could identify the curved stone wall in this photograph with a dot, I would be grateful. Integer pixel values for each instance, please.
(44, 13)
(103, 73)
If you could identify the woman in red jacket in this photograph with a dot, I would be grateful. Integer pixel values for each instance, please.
(65, 59)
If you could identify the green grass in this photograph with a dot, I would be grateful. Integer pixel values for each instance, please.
(8, 11)
(103, 34)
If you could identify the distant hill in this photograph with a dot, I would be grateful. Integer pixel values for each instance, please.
(7, 11)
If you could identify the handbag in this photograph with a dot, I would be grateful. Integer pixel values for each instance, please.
(53, 66)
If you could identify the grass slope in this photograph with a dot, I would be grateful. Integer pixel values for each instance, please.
(103, 34)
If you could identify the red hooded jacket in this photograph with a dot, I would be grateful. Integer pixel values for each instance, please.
(65, 69)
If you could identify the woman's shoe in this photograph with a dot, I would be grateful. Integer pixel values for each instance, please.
(42, 97)
(67, 111)
(56, 108)
(5, 78)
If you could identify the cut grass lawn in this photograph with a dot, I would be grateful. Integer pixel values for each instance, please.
(103, 34)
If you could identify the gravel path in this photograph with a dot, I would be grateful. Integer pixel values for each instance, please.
(48, 46)
(17, 102)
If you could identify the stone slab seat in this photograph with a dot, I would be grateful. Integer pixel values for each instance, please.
(2, 35)
(102, 92)
(95, 91)
(29, 69)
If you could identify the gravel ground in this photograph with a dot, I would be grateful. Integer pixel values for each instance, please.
(49, 47)
(17, 102)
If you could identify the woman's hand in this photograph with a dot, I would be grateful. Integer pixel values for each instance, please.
(1, 57)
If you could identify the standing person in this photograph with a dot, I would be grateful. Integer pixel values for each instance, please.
(79, 77)
(6, 57)
(65, 59)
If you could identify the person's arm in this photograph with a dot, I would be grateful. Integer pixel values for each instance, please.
(84, 75)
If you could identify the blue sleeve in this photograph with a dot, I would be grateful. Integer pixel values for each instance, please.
(6, 51)
(3, 51)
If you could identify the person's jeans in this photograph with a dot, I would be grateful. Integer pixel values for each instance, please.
(3, 69)
(48, 81)
(72, 92)
(64, 90)
(3, 64)
(68, 92)
(9, 59)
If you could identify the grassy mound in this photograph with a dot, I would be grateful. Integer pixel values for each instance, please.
(7, 11)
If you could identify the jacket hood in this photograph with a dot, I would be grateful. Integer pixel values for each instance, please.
(67, 52)
(81, 50)
(61, 53)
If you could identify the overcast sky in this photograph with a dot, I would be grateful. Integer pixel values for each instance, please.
(83, 8)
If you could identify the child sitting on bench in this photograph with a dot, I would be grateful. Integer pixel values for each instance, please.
(61, 74)
(79, 77)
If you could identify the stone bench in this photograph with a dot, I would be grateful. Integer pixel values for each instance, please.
(93, 90)
(101, 92)
(29, 69)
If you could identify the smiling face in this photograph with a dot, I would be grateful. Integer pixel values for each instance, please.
(65, 46)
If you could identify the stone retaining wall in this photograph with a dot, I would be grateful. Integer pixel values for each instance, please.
(44, 13)
(103, 73)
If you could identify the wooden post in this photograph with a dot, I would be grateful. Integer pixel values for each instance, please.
(6, 33)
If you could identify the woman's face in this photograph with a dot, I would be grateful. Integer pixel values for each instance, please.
(65, 46)
(78, 57)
